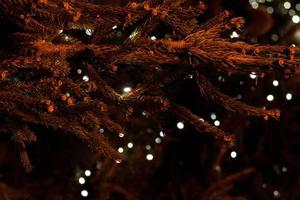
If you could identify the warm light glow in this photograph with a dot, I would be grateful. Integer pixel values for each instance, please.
(287, 5)
(127, 89)
(276, 194)
(120, 150)
(180, 125)
(88, 31)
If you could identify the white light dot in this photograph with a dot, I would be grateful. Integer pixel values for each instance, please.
(130, 145)
(239, 96)
(87, 172)
(153, 38)
(126, 89)
(284, 169)
(217, 123)
(81, 180)
(157, 140)
(297, 6)
(234, 35)
(85, 78)
(233, 154)
(114, 27)
(101, 130)
(275, 83)
(88, 31)
(121, 135)
(254, 5)
(120, 150)
(276, 193)
(287, 5)
(296, 19)
(180, 125)
(270, 97)
(292, 12)
(161, 134)
(288, 96)
(213, 116)
(79, 71)
(118, 161)
(84, 193)
(149, 157)
(264, 185)
(60, 31)
(253, 75)
(148, 147)
(218, 168)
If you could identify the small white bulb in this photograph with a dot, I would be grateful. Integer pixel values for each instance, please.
(288, 96)
(153, 38)
(213, 116)
(253, 75)
(85, 78)
(161, 134)
(275, 83)
(126, 89)
(87, 172)
(270, 97)
(217, 123)
(149, 157)
(120, 150)
(84, 193)
(157, 140)
(180, 125)
(130, 145)
(81, 180)
(121, 135)
(233, 154)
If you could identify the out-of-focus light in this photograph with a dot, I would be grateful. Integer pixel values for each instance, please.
(120, 150)
(114, 27)
(88, 31)
(274, 37)
(127, 89)
(84, 193)
(284, 169)
(287, 5)
(217, 123)
(270, 97)
(296, 19)
(288, 96)
(254, 5)
(157, 140)
(275, 83)
(213, 116)
(121, 135)
(180, 125)
(148, 147)
(297, 6)
(234, 35)
(153, 37)
(270, 10)
(233, 154)
(85, 78)
(149, 157)
(253, 75)
(162, 134)
(276, 194)
(87, 172)
(130, 145)
(81, 180)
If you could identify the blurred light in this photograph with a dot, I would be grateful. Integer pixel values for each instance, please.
(284, 169)
(153, 38)
(239, 96)
(130, 145)
(149, 157)
(217, 123)
(213, 116)
(133, 34)
(274, 37)
(88, 31)
(81, 180)
(287, 5)
(254, 5)
(180, 125)
(292, 12)
(121, 135)
(118, 161)
(270, 10)
(233, 154)
(270, 97)
(253, 75)
(101, 130)
(264, 185)
(127, 89)
(60, 31)
(85, 78)
(120, 150)
(114, 27)
(234, 35)
(297, 6)
(161, 134)
(157, 140)
(288, 96)
(84, 193)
(148, 147)
(79, 71)
(296, 19)
(275, 83)
(276, 194)
(87, 172)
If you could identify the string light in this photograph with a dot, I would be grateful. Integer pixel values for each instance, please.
(130, 145)
(114, 27)
(81, 180)
(213, 116)
(153, 38)
(79, 71)
(84, 193)
(161, 134)
(233, 154)
(284, 169)
(264, 185)
(253, 75)
(180, 125)
(121, 135)
(87, 172)
(148, 147)
(275, 83)
(88, 31)
(120, 150)
(149, 157)
(85, 78)
(126, 89)
(276, 193)
(133, 34)
(270, 97)
(288, 96)
(270, 10)
(217, 123)
(296, 19)
(157, 140)
(118, 161)
(101, 130)
(234, 35)
(287, 5)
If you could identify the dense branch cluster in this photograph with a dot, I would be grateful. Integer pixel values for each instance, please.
(49, 44)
